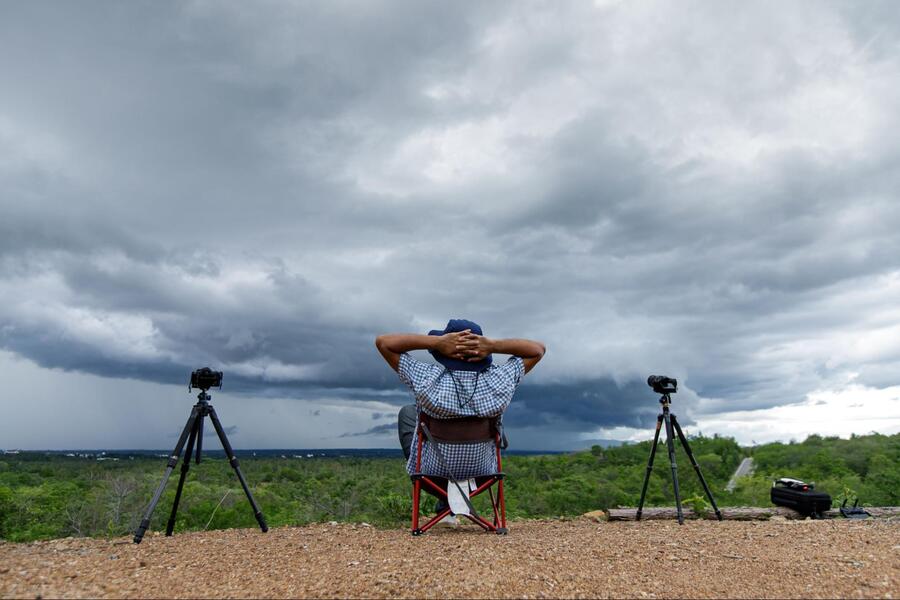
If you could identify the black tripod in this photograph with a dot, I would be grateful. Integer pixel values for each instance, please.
(193, 433)
(672, 424)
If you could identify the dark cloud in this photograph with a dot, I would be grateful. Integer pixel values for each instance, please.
(580, 405)
(378, 429)
(230, 431)
(701, 191)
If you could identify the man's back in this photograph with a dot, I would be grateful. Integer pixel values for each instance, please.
(465, 383)
(445, 394)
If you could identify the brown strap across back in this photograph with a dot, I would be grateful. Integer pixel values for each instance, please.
(461, 430)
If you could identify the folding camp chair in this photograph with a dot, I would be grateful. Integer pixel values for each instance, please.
(466, 430)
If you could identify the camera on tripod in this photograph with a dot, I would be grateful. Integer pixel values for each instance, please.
(668, 385)
(192, 435)
(662, 384)
(205, 378)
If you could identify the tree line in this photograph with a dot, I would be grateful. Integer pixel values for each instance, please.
(50, 496)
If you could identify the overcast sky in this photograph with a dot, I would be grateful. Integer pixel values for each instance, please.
(704, 190)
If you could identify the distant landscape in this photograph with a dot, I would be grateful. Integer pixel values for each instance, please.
(61, 494)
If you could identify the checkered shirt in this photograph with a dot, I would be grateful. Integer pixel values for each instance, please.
(445, 394)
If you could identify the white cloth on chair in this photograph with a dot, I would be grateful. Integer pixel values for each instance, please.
(456, 501)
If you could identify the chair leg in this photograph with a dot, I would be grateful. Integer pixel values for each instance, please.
(502, 500)
(417, 489)
(434, 521)
(423, 483)
(498, 519)
(494, 507)
(479, 521)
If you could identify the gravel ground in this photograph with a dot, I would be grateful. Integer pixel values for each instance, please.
(579, 558)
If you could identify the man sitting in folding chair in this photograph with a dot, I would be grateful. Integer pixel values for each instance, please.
(456, 421)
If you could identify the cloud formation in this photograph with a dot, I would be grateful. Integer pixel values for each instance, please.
(706, 191)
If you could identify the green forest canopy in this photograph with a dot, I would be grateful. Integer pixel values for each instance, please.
(50, 496)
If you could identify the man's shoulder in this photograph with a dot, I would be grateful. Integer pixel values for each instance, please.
(512, 363)
(511, 359)
(511, 370)
(411, 361)
(411, 369)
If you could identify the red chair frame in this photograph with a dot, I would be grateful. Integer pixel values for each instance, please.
(498, 503)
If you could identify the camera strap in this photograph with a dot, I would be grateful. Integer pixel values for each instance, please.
(443, 464)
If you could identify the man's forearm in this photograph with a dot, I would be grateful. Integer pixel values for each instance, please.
(517, 347)
(405, 342)
(392, 345)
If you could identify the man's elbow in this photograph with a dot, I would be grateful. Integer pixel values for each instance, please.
(381, 342)
(536, 355)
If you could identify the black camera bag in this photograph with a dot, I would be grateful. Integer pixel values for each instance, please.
(801, 497)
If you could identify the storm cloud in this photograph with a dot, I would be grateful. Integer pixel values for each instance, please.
(704, 190)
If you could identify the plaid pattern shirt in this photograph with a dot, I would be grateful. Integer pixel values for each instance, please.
(445, 394)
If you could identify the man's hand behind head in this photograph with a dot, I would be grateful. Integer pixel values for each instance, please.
(451, 344)
(476, 347)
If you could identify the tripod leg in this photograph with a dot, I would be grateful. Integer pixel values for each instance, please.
(670, 442)
(687, 449)
(170, 466)
(649, 468)
(187, 457)
(185, 465)
(237, 469)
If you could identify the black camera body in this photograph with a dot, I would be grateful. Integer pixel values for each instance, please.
(662, 384)
(205, 378)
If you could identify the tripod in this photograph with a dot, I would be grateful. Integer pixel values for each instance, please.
(193, 433)
(672, 424)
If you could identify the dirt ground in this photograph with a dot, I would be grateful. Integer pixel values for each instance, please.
(538, 559)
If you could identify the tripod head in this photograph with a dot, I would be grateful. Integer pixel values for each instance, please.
(665, 386)
(665, 400)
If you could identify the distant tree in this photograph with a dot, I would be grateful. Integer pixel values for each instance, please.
(884, 476)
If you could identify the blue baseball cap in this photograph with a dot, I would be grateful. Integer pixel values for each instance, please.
(454, 364)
